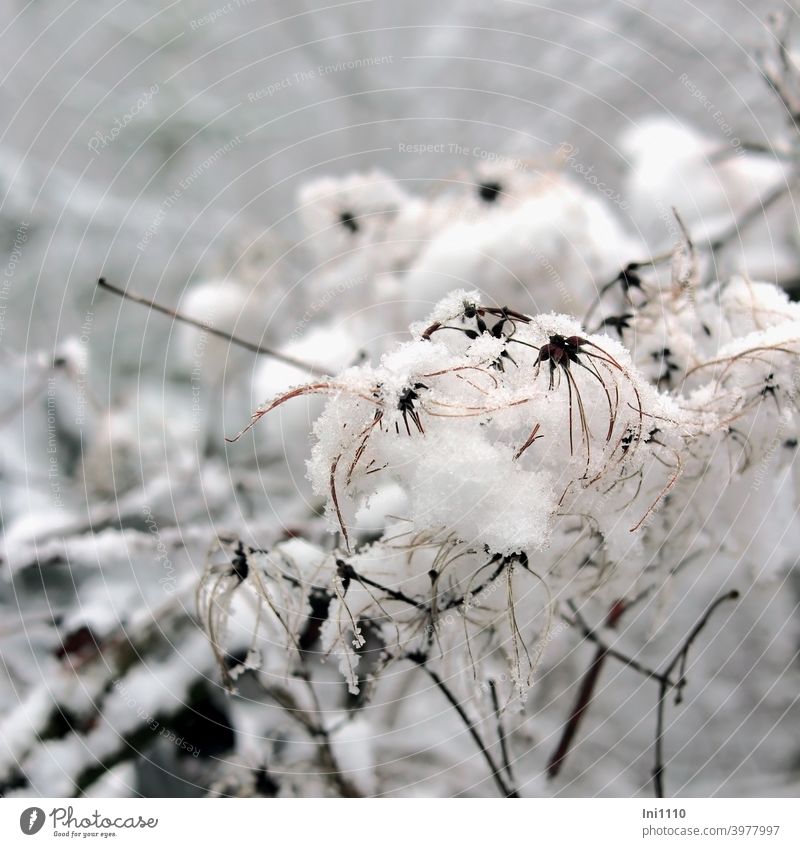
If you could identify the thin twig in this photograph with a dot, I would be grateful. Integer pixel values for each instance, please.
(747, 217)
(592, 636)
(501, 732)
(259, 349)
(711, 245)
(582, 702)
(350, 571)
(778, 79)
(731, 150)
(455, 602)
(665, 679)
(506, 790)
(315, 729)
(584, 698)
(678, 661)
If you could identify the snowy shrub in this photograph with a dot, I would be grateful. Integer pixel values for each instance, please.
(515, 512)
(535, 469)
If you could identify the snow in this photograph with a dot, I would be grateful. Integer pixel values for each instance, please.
(436, 485)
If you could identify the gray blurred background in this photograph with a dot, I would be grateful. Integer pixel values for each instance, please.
(515, 78)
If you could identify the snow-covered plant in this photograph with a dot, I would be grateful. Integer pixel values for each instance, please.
(525, 468)
(521, 479)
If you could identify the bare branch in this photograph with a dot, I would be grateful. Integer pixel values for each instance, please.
(678, 661)
(506, 790)
(258, 349)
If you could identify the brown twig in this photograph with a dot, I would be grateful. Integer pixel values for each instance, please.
(665, 679)
(584, 698)
(258, 349)
(592, 636)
